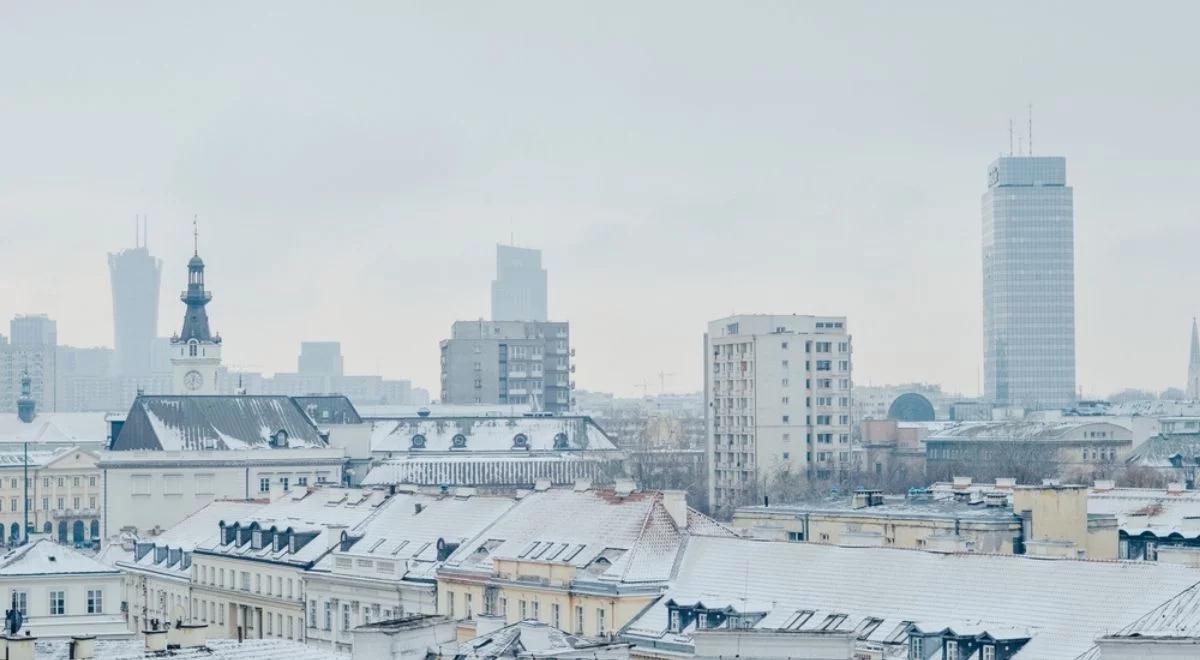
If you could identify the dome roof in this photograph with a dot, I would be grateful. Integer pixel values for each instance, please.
(195, 261)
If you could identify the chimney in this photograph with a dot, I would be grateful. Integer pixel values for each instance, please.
(82, 647)
(333, 535)
(675, 502)
(156, 641)
(624, 487)
(486, 624)
(20, 647)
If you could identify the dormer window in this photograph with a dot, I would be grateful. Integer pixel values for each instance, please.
(418, 441)
(520, 441)
(459, 441)
(702, 620)
(915, 648)
(561, 441)
(280, 439)
(675, 627)
(256, 540)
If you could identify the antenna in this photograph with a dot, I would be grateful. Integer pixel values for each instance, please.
(1010, 136)
(1030, 129)
(195, 238)
(145, 231)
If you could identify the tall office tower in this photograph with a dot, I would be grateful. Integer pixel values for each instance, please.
(1193, 384)
(1029, 283)
(320, 358)
(519, 290)
(136, 277)
(777, 395)
(511, 362)
(33, 330)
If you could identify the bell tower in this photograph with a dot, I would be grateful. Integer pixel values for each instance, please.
(195, 351)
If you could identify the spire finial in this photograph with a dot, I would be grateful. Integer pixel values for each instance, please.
(195, 238)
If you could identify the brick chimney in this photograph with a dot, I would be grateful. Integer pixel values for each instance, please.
(675, 502)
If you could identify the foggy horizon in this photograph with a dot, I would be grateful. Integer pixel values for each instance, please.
(673, 170)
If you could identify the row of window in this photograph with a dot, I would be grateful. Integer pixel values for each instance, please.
(60, 482)
(264, 584)
(352, 615)
(56, 602)
(527, 609)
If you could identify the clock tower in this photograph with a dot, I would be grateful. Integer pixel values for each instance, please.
(195, 352)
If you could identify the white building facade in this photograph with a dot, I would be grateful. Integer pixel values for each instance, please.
(778, 398)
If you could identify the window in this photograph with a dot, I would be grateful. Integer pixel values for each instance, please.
(245, 581)
(91, 481)
(62, 482)
(702, 620)
(92, 502)
(346, 616)
(264, 485)
(45, 504)
(467, 603)
(578, 620)
(283, 481)
(601, 623)
(74, 503)
(786, 418)
(312, 614)
(537, 614)
(450, 603)
(674, 621)
(95, 601)
(20, 602)
(328, 615)
(523, 609)
(58, 603)
(554, 616)
(915, 651)
(951, 650)
(302, 481)
(989, 652)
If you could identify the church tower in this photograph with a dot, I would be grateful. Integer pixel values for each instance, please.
(1193, 384)
(195, 352)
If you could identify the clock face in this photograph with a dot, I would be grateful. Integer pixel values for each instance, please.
(193, 380)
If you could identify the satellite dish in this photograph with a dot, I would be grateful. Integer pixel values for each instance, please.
(13, 621)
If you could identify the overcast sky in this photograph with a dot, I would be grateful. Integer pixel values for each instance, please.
(353, 168)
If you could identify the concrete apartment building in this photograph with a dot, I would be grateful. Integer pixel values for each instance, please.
(777, 394)
(508, 362)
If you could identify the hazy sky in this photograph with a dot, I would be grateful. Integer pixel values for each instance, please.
(353, 169)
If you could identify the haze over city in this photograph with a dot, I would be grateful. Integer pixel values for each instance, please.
(352, 172)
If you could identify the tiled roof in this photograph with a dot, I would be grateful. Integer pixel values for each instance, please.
(1061, 605)
(215, 422)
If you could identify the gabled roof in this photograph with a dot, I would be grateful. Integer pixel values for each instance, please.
(45, 557)
(1158, 450)
(489, 434)
(1061, 605)
(176, 422)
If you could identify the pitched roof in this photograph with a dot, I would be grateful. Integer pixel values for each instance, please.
(170, 422)
(55, 427)
(1153, 510)
(45, 557)
(1017, 430)
(1158, 450)
(489, 434)
(1061, 605)
(329, 408)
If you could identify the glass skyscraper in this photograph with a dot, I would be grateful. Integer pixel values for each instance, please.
(136, 277)
(1029, 283)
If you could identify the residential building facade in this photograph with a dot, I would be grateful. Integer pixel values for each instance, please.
(508, 362)
(1029, 283)
(778, 400)
(62, 592)
(1075, 447)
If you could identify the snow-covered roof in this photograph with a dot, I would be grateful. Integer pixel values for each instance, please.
(608, 537)
(45, 557)
(1157, 451)
(315, 516)
(57, 428)
(165, 553)
(533, 637)
(215, 649)
(1155, 408)
(407, 529)
(37, 458)
(1153, 510)
(488, 434)
(216, 422)
(495, 468)
(1061, 605)
(1024, 430)
(329, 408)
(1176, 619)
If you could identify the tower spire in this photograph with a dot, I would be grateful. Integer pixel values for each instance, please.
(1193, 384)
(195, 238)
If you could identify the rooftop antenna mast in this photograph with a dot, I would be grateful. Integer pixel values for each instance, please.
(1030, 129)
(195, 238)
(1010, 136)
(145, 231)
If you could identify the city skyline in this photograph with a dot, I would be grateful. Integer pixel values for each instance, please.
(660, 201)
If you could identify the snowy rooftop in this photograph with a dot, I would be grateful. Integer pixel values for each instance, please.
(1157, 451)
(216, 649)
(166, 556)
(407, 529)
(45, 557)
(490, 434)
(1023, 430)
(948, 508)
(529, 636)
(74, 428)
(1061, 605)
(315, 516)
(1153, 510)
(609, 538)
(1178, 618)
(1155, 408)
(216, 422)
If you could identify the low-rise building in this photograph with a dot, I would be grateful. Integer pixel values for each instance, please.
(1149, 519)
(1029, 449)
(898, 603)
(387, 570)
(584, 560)
(248, 576)
(492, 451)
(171, 455)
(62, 592)
(63, 495)
(157, 584)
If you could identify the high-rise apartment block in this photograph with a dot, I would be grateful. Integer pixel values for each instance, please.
(136, 278)
(510, 362)
(1029, 283)
(1193, 383)
(320, 358)
(33, 330)
(519, 290)
(777, 394)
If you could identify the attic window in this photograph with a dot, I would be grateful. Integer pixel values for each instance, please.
(459, 441)
(279, 439)
(561, 441)
(520, 441)
(418, 441)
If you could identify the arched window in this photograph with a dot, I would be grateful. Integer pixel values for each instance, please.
(192, 348)
(95, 530)
(62, 531)
(77, 532)
(15, 531)
(418, 441)
(48, 528)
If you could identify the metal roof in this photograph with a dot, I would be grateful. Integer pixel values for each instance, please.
(188, 422)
